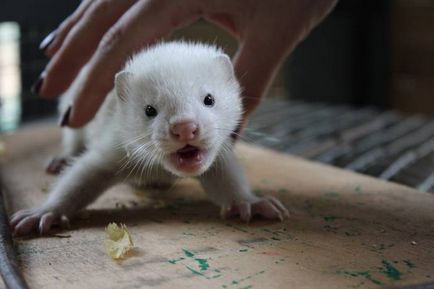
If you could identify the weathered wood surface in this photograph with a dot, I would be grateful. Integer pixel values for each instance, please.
(346, 230)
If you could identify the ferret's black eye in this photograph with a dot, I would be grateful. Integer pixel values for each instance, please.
(209, 100)
(150, 111)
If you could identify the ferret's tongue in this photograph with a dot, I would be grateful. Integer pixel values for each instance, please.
(189, 158)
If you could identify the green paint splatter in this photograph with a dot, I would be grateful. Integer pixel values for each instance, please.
(365, 274)
(195, 272)
(247, 287)
(390, 271)
(409, 264)
(283, 191)
(188, 253)
(331, 218)
(243, 250)
(358, 189)
(258, 192)
(387, 269)
(203, 264)
(174, 261)
(200, 273)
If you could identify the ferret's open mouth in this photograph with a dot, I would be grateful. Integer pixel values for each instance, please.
(189, 158)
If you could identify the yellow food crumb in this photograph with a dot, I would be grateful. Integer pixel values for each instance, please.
(119, 242)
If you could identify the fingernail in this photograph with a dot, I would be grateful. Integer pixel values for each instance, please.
(47, 40)
(236, 133)
(37, 85)
(65, 117)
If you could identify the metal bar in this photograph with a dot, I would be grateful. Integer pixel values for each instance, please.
(9, 270)
(427, 184)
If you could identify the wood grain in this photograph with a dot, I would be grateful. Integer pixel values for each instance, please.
(346, 230)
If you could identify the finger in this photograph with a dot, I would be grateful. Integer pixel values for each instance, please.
(80, 43)
(144, 23)
(269, 37)
(256, 63)
(57, 36)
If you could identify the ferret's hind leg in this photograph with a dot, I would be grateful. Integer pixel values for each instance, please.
(72, 146)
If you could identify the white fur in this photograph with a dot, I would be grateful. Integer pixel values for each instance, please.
(122, 144)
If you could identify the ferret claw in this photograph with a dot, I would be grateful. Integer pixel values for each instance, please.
(56, 165)
(268, 207)
(27, 221)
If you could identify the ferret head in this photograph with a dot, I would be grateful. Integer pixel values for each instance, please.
(179, 103)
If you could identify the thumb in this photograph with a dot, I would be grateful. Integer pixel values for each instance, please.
(256, 63)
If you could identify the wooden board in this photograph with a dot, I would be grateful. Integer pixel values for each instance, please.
(346, 230)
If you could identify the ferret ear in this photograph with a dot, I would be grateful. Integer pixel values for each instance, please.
(121, 84)
(225, 63)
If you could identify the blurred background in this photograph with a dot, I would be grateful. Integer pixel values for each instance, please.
(366, 52)
(369, 60)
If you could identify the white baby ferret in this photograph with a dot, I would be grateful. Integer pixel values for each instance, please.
(171, 114)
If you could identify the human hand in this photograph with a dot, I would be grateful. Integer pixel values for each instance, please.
(104, 33)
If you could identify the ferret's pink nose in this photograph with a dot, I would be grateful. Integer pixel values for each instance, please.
(184, 131)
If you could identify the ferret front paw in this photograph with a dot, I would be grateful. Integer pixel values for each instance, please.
(268, 207)
(25, 222)
(56, 165)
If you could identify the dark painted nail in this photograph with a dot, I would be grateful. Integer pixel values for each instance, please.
(236, 133)
(234, 136)
(65, 117)
(37, 85)
(48, 40)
